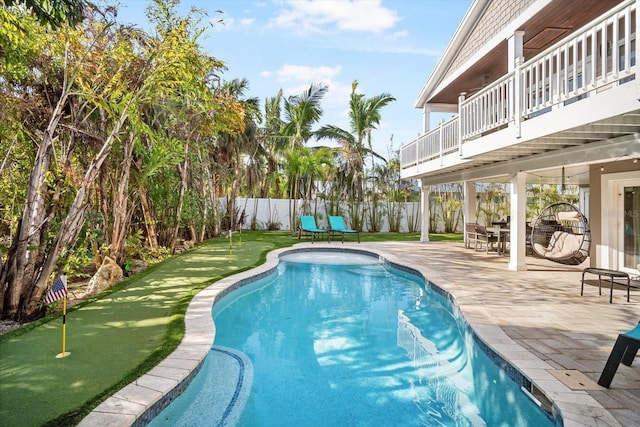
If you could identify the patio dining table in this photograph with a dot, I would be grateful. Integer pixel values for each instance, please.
(503, 234)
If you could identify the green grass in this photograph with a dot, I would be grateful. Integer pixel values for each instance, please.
(123, 333)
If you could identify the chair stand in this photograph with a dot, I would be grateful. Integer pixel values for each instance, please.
(624, 351)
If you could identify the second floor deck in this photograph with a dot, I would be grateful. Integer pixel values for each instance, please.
(580, 91)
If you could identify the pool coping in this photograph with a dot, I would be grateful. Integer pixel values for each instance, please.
(143, 399)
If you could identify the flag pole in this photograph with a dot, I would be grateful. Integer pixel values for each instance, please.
(64, 324)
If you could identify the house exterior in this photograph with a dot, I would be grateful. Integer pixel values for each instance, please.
(540, 91)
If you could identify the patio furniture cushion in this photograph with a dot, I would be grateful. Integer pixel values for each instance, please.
(561, 245)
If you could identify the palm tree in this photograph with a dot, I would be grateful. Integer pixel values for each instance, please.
(355, 145)
(273, 143)
(301, 113)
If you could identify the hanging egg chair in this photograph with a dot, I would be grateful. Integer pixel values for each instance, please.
(561, 234)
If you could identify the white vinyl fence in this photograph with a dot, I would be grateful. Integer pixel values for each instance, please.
(264, 214)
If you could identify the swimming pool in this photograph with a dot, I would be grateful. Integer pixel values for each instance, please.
(340, 338)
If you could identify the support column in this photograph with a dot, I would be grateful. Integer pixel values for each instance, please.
(469, 206)
(426, 118)
(425, 210)
(518, 231)
(515, 47)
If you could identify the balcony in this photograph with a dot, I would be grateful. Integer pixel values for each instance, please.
(576, 92)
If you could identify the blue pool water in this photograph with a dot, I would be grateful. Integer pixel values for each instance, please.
(341, 339)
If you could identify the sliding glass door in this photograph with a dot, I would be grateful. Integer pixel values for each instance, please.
(629, 248)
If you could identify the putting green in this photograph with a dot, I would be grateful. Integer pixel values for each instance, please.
(107, 338)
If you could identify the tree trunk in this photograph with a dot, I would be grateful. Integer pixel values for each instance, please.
(208, 195)
(20, 268)
(103, 201)
(194, 235)
(183, 169)
(205, 214)
(149, 219)
(121, 215)
(72, 224)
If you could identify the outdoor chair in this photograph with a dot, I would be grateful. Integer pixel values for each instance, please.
(336, 225)
(470, 235)
(483, 236)
(561, 234)
(624, 350)
(308, 225)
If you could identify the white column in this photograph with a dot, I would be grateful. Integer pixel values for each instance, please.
(461, 118)
(426, 118)
(424, 199)
(518, 230)
(515, 58)
(515, 49)
(469, 206)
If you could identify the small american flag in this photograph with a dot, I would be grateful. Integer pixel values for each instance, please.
(58, 290)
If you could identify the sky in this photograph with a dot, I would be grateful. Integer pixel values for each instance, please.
(388, 46)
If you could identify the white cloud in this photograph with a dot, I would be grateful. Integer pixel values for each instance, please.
(348, 15)
(226, 22)
(399, 35)
(304, 73)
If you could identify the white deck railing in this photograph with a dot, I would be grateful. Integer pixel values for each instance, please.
(596, 56)
(488, 109)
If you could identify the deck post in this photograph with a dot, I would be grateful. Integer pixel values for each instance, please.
(518, 225)
(514, 62)
(461, 98)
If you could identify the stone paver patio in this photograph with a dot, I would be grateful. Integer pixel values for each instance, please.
(536, 319)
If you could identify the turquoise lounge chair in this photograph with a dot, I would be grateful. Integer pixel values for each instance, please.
(336, 224)
(624, 351)
(308, 225)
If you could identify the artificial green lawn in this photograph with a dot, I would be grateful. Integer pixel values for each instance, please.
(117, 337)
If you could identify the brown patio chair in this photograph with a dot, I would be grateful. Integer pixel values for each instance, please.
(483, 236)
(470, 235)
